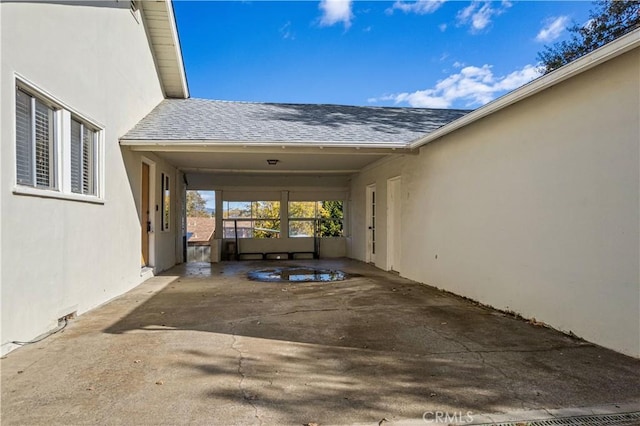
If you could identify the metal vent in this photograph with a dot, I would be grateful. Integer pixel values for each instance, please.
(624, 419)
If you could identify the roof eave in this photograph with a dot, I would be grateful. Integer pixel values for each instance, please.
(231, 146)
(605, 53)
(172, 77)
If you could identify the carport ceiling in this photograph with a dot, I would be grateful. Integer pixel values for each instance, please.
(317, 162)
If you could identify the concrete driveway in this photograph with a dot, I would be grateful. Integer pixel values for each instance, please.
(202, 344)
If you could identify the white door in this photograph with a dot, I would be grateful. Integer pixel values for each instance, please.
(371, 224)
(393, 224)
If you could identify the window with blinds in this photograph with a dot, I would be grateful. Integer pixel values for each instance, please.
(58, 151)
(35, 142)
(83, 158)
(24, 140)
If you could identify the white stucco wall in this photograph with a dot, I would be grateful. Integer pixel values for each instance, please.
(533, 209)
(58, 255)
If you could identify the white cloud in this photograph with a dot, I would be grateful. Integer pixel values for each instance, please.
(443, 27)
(473, 86)
(421, 7)
(552, 29)
(479, 14)
(336, 11)
(518, 78)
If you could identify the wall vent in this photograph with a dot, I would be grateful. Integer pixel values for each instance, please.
(68, 317)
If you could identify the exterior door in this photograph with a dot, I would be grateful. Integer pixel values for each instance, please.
(145, 219)
(371, 224)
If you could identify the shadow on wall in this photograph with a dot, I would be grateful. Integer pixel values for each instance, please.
(373, 344)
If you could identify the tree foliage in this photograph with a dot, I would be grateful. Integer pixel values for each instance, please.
(267, 215)
(321, 218)
(332, 212)
(302, 210)
(306, 218)
(196, 205)
(609, 20)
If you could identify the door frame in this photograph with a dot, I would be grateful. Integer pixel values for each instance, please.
(370, 223)
(394, 222)
(150, 263)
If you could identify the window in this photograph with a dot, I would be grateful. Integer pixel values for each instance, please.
(135, 10)
(35, 142)
(83, 158)
(166, 202)
(315, 218)
(251, 219)
(57, 151)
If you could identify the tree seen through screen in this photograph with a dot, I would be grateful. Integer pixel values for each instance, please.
(261, 219)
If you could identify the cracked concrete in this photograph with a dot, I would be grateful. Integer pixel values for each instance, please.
(227, 350)
(248, 397)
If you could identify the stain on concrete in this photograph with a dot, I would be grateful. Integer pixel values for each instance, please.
(233, 351)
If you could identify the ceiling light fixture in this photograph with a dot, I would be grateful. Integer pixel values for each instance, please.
(273, 162)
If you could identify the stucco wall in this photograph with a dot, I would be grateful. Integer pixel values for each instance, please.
(60, 256)
(533, 209)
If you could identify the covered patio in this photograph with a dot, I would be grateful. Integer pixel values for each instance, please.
(203, 344)
(281, 154)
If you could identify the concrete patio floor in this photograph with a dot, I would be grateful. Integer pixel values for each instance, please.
(201, 344)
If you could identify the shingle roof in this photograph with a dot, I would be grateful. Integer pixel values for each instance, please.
(200, 229)
(209, 120)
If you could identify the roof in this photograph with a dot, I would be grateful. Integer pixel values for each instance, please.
(206, 120)
(605, 53)
(160, 25)
(200, 228)
(210, 122)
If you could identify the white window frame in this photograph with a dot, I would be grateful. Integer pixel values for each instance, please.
(52, 141)
(165, 202)
(84, 126)
(134, 8)
(252, 219)
(62, 155)
(316, 221)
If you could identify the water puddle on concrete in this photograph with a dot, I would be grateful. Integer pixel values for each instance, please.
(297, 274)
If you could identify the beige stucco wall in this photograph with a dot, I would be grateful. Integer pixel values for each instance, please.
(534, 209)
(60, 255)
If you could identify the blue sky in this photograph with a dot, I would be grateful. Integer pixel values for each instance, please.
(438, 54)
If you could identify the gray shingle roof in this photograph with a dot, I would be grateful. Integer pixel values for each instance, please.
(203, 119)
